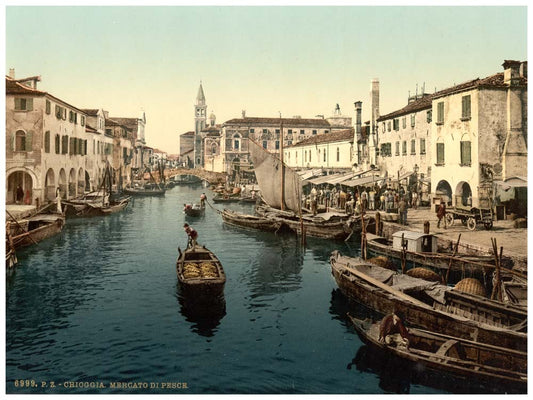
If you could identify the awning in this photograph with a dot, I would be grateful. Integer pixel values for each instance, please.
(340, 179)
(306, 174)
(365, 180)
(322, 179)
(513, 182)
(403, 176)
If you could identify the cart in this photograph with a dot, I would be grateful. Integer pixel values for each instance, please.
(471, 216)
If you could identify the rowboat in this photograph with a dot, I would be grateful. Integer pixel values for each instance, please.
(200, 273)
(193, 210)
(142, 191)
(493, 365)
(423, 304)
(34, 229)
(249, 221)
(95, 204)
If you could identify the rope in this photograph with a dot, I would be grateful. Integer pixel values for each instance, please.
(209, 204)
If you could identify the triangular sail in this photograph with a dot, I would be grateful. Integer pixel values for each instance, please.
(267, 167)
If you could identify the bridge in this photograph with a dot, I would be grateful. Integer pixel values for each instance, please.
(209, 176)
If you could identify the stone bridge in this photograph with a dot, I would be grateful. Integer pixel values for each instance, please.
(209, 176)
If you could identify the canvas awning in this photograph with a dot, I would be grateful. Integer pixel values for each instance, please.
(513, 182)
(362, 181)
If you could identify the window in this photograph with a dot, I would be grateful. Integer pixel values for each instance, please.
(314, 132)
(302, 132)
(324, 155)
(404, 148)
(265, 130)
(305, 155)
(326, 131)
(277, 131)
(265, 144)
(440, 153)
(397, 149)
(338, 154)
(404, 122)
(383, 127)
(422, 146)
(64, 144)
(413, 146)
(48, 107)
(47, 142)
(466, 113)
(214, 149)
(71, 116)
(236, 143)
(388, 126)
(58, 112)
(466, 156)
(386, 149)
(72, 146)
(429, 116)
(440, 112)
(290, 132)
(58, 144)
(20, 141)
(309, 155)
(252, 130)
(23, 104)
(82, 120)
(277, 144)
(413, 120)
(108, 132)
(289, 142)
(396, 124)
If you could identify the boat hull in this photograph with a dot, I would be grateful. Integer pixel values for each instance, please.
(249, 221)
(419, 314)
(44, 229)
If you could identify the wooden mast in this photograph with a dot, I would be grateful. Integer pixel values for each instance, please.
(282, 169)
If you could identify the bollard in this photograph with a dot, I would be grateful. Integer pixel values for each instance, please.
(426, 227)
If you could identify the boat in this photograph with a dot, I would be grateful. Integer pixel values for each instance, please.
(200, 273)
(493, 365)
(418, 248)
(249, 199)
(427, 305)
(147, 189)
(281, 190)
(95, 204)
(193, 210)
(330, 225)
(34, 229)
(220, 198)
(249, 221)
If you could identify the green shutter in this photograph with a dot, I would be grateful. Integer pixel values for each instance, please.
(440, 153)
(29, 104)
(28, 141)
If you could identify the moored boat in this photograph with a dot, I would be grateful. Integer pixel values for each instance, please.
(95, 204)
(193, 210)
(200, 273)
(143, 191)
(249, 221)
(382, 291)
(495, 366)
(34, 229)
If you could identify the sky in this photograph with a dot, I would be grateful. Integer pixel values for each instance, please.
(267, 60)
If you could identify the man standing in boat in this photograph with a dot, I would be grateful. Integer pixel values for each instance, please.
(202, 200)
(192, 234)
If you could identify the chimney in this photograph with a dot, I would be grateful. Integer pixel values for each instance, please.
(357, 105)
(12, 73)
(374, 103)
(511, 73)
(243, 114)
(523, 69)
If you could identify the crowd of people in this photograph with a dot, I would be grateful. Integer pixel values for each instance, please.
(354, 201)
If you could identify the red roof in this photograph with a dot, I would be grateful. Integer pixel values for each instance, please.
(337, 136)
(289, 122)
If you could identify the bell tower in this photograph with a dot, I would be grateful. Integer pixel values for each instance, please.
(200, 119)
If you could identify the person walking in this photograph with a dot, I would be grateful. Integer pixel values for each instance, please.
(415, 200)
(402, 211)
(441, 214)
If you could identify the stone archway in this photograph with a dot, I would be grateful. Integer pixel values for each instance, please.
(81, 181)
(71, 183)
(463, 194)
(25, 181)
(444, 191)
(62, 183)
(50, 185)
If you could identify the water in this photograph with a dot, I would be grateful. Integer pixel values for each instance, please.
(99, 304)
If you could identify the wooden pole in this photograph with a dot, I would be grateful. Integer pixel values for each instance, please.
(21, 228)
(497, 288)
(451, 259)
(282, 169)
(404, 255)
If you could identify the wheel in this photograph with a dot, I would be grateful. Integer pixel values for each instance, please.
(449, 219)
(487, 225)
(471, 223)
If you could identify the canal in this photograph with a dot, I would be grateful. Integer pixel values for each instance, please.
(97, 309)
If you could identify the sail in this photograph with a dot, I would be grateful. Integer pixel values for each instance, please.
(267, 168)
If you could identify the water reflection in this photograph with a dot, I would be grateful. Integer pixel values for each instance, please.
(204, 314)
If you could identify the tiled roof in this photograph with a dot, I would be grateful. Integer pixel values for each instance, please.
(190, 133)
(93, 112)
(287, 122)
(14, 87)
(126, 121)
(417, 105)
(112, 122)
(337, 136)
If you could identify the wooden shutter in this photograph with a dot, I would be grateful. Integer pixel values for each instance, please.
(29, 104)
(440, 153)
(47, 141)
(28, 141)
(466, 157)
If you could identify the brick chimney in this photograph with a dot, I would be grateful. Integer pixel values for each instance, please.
(12, 73)
(511, 73)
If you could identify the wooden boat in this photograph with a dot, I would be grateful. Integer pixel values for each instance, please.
(464, 359)
(34, 229)
(225, 199)
(193, 210)
(142, 191)
(94, 204)
(422, 249)
(249, 221)
(418, 302)
(281, 190)
(326, 226)
(249, 199)
(200, 273)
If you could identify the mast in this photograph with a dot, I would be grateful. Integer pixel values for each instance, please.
(282, 165)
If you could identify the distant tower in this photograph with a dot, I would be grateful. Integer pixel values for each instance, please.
(373, 143)
(200, 118)
(212, 119)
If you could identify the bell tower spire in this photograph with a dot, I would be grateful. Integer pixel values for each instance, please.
(200, 120)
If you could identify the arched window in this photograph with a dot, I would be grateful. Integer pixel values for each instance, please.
(236, 142)
(22, 141)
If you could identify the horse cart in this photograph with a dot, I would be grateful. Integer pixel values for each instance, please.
(471, 217)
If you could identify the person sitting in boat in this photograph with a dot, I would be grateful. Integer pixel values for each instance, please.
(186, 207)
(390, 325)
(192, 235)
